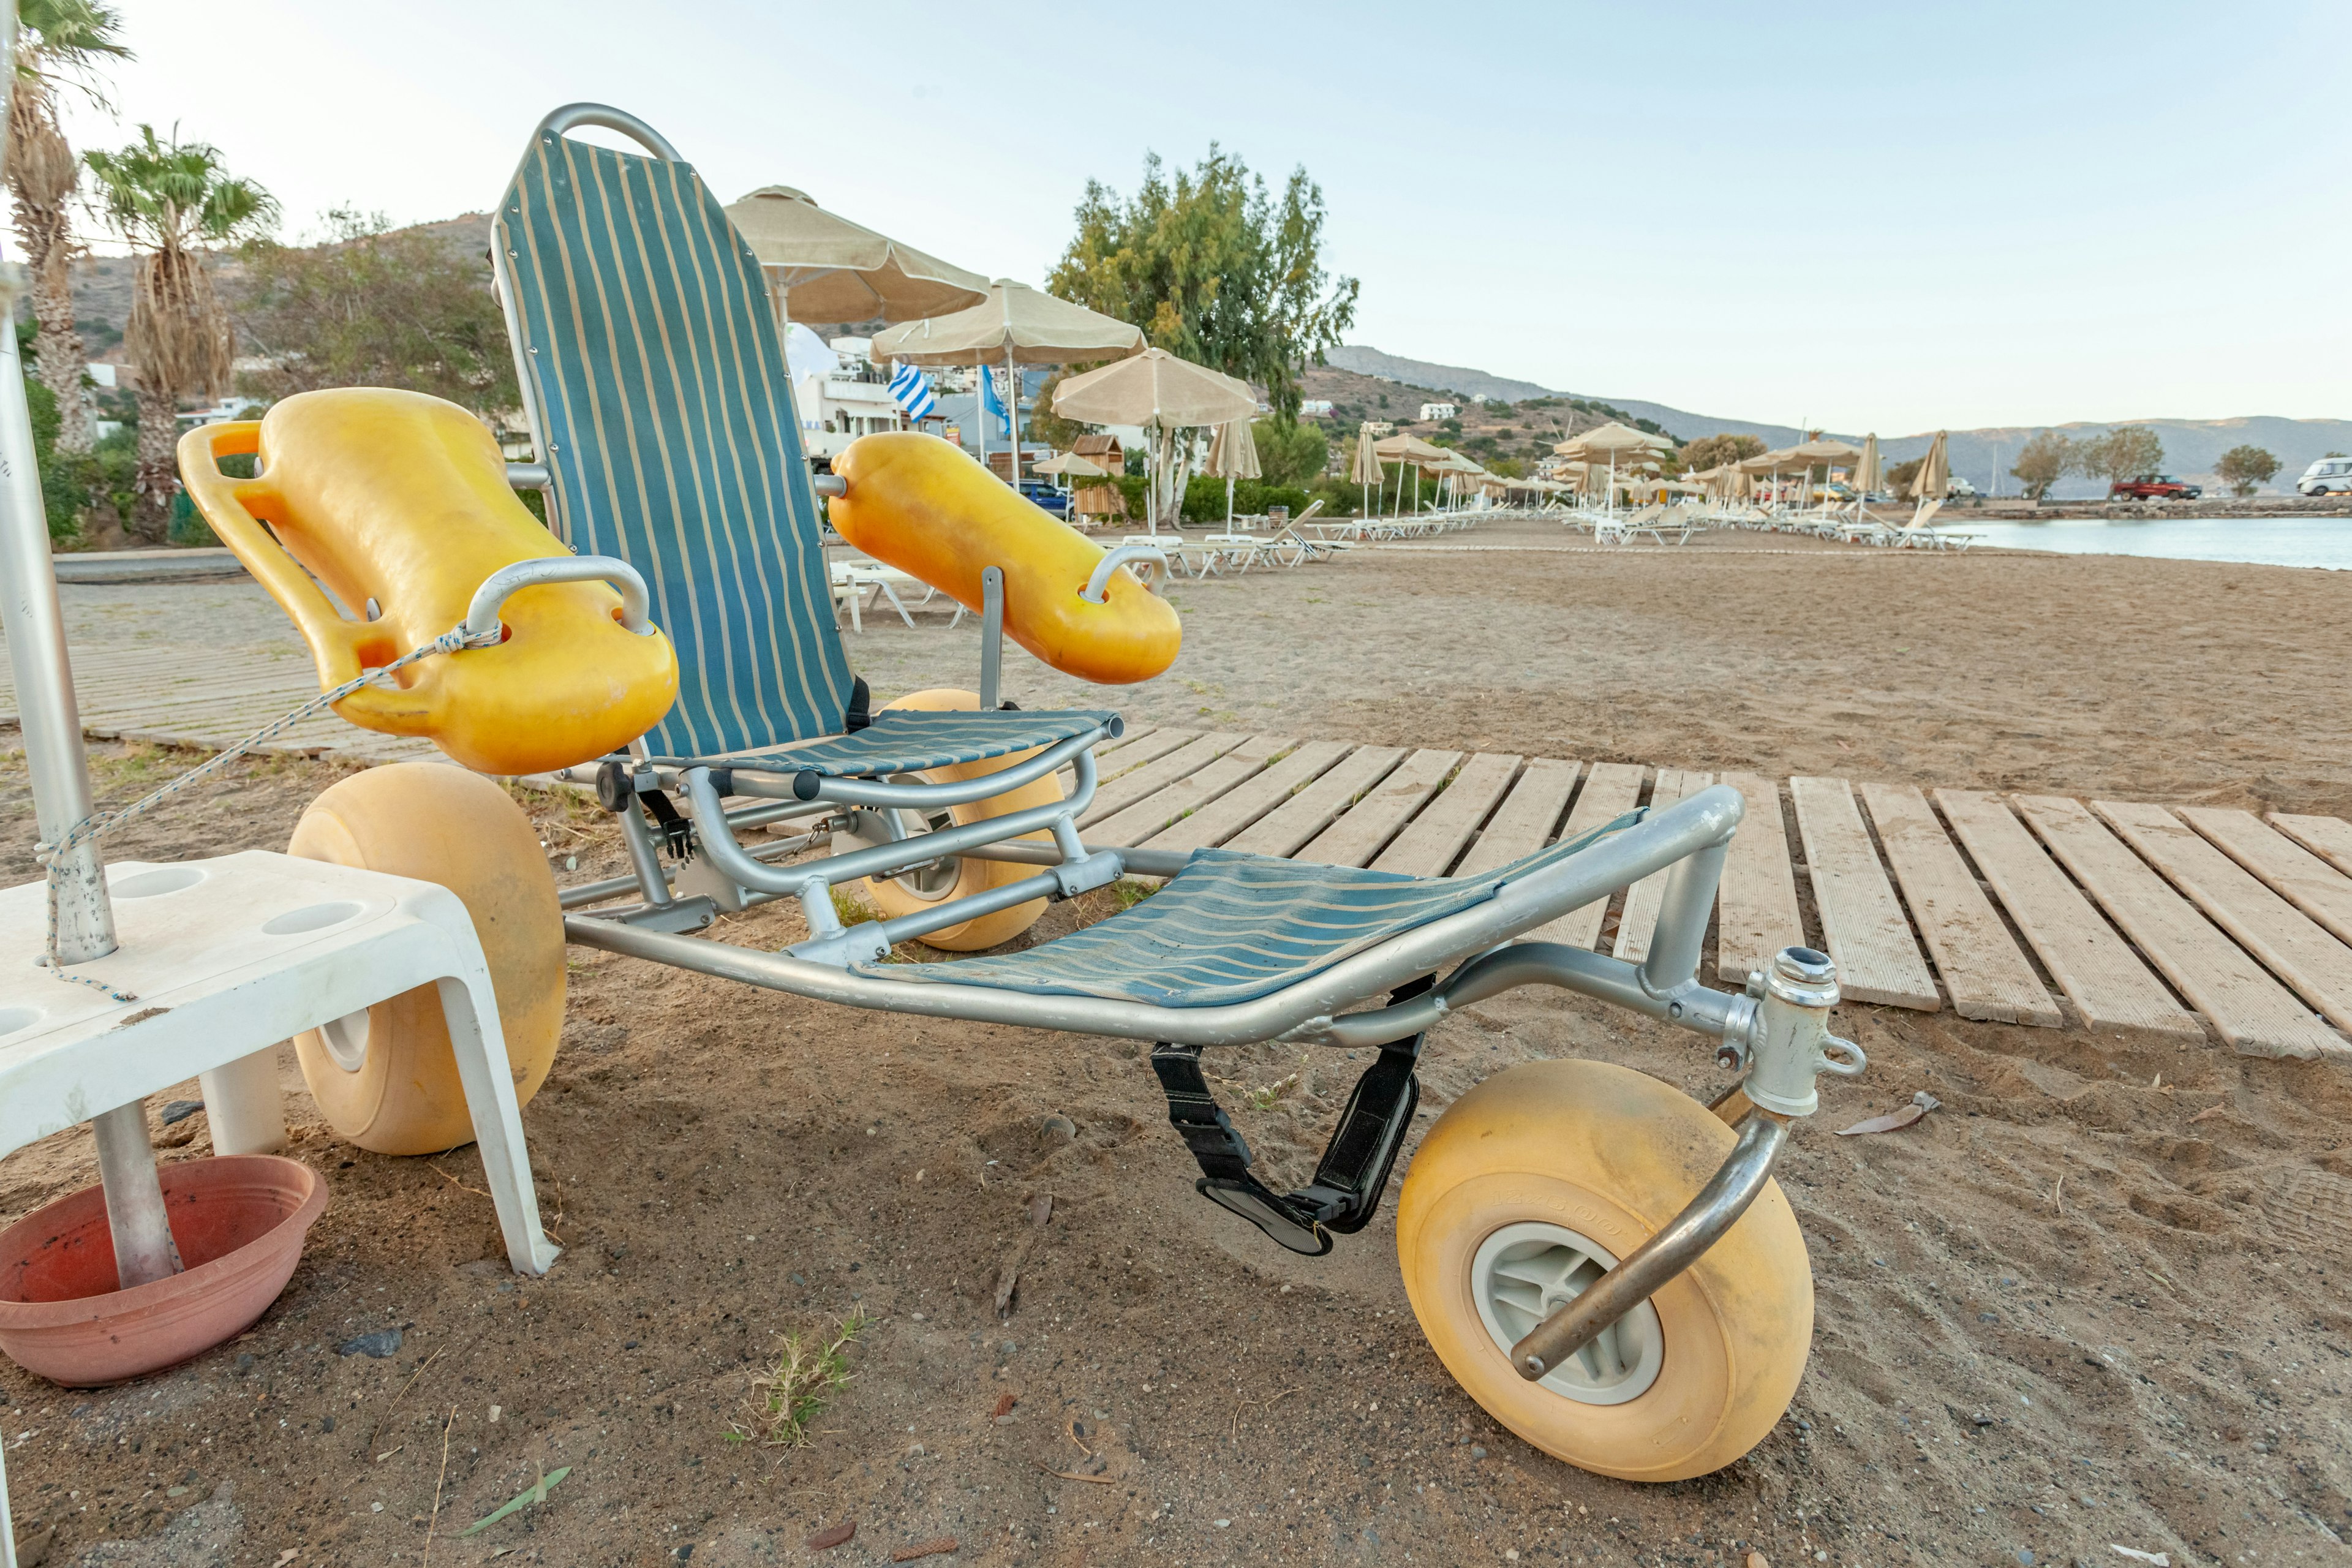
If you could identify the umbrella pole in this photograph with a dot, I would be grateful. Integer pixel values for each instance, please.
(979, 405)
(1013, 410)
(1229, 504)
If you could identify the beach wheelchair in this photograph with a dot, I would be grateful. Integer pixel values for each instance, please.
(1605, 1263)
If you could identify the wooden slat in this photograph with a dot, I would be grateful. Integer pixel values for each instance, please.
(1245, 803)
(2330, 837)
(1983, 970)
(2095, 969)
(1154, 812)
(2285, 866)
(1127, 737)
(1862, 919)
(1143, 783)
(1611, 790)
(2247, 1008)
(1150, 749)
(1434, 840)
(2315, 965)
(1371, 822)
(1523, 823)
(1638, 920)
(1756, 907)
(1310, 811)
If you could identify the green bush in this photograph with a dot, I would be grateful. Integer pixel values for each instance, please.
(1205, 498)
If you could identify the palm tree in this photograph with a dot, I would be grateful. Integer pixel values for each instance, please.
(58, 44)
(165, 198)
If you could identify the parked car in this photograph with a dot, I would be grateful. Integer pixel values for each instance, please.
(1958, 489)
(2329, 476)
(1042, 494)
(2154, 486)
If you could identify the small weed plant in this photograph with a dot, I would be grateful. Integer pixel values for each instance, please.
(813, 1367)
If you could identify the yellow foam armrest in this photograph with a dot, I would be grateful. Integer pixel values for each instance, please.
(401, 500)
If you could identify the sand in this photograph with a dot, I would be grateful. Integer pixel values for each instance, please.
(2097, 1298)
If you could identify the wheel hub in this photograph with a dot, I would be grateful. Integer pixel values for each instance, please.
(1523, 1273)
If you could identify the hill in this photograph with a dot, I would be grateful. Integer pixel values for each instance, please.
(2191, 447)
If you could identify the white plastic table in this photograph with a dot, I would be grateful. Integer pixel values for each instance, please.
(224, 959)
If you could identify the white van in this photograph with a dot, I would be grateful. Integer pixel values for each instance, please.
(2329, 476)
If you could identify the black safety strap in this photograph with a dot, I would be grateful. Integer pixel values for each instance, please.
(1354, 1170)
(859, 715)
(676, 833)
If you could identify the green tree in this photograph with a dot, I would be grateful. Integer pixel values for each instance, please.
(2042, 461)
(2243, 467)
(1214, 269)
(1713, 451)
(373, 307)
(60, 44)
(2126, 452)
(1898, 476)
(165, 199)
(1295, 453)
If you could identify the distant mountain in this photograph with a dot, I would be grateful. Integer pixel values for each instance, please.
(2191, 447)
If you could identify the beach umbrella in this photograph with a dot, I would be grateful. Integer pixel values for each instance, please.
(1163, 393)
(1013, 325)
(1868, 474)
(1929, 485)
(1233, 455)
(821, 267)
(1414, 451)
(1610, 441)
(1805, 453)
(1366, 469)
(1070, 466)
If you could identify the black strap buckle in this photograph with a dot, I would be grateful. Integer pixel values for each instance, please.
(676, 833)
(1354, 1170)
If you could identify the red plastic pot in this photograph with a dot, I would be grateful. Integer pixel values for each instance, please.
(239, 1220)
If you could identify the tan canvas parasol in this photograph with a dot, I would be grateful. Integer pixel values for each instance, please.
(1365, 469)
(1015, 324)
(822, 268)
(1163, 393)
(1233, 455)
(1070, 466)
(1869, 473)
(1934, 477)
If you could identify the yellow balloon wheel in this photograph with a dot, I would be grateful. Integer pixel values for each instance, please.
(387, 1078)
(1524, 1192)
(961, 879)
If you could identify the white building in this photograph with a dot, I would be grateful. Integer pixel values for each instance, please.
(838, 393)
(1315, 408)
(1440, 410)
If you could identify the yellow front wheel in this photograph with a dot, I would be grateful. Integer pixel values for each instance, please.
(926, 887)
(386, 1078)
(1532, 1185)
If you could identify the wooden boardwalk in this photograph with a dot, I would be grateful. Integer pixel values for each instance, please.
(2193, 922)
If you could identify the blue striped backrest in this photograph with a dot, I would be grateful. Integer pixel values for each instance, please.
(656, 379)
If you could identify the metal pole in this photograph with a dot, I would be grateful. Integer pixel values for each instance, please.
(60, 772)
(1012, 409)
(980, 403)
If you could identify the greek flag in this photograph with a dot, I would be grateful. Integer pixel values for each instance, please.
(911, 390)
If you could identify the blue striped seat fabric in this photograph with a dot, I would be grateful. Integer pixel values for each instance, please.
(909, 740)
(659, 384)
(1234, 926)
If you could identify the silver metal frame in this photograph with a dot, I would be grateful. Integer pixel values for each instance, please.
(1777, 1032)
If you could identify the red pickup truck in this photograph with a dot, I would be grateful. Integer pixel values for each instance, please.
(2154, 486)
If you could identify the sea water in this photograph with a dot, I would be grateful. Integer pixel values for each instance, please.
(2325, 542)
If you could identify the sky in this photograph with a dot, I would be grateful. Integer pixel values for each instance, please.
(1890, 219)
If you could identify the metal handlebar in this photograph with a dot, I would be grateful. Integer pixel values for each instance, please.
(605, 116)
(482, 613)
(1097, 588)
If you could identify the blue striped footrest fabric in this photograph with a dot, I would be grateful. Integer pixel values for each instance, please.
(910, 740)
(1234, 926)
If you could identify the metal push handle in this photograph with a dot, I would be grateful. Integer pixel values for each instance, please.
(482, 613)
(1097, 588)
(606, 117)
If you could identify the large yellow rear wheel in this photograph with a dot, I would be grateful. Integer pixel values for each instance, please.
(929, 886)
(1526, 1190)
(387, 1078)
